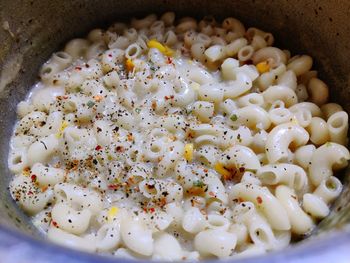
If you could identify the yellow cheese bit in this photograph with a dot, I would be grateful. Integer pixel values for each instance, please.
(263, 67)
(188, 152)
(221, 170)
(63, 126)
(295, 121)
(26, 172)
(112, 213)
(153, 43)
(168, 52)
(129, 65)
(195, 86)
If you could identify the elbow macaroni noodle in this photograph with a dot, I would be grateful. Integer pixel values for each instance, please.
(177, 140)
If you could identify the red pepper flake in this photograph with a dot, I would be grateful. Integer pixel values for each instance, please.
(130, 137)
(205, 170)
(54, 223)
(98, 147)
(211, 194)
(110, 55)
(149, 210)
(154, 105)
(169, 60)
(241, 169)
(78, 68)
(162, 202)
(30, 192)
(33, 177)
(113, 187)
(98, 98)
(120, 149)
(190, 135)
(75, 164)
(131, 180)
(172, 96)
(259, 200)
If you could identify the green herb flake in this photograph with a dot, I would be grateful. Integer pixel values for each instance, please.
(90, 104)
(78, 89)
(152, 66)
(199, 183)
(100, 160)
(138, 110)
(331, 185)
(233, 117)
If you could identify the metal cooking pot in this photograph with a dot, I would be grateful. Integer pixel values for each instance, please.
(31, 30)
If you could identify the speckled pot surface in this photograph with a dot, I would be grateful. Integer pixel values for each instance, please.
(31, 30)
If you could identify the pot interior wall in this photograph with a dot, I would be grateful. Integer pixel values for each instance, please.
(31, 30)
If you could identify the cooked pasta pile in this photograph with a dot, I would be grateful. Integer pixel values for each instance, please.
(177, 141)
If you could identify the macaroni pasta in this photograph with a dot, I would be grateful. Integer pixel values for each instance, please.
(177, 140)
